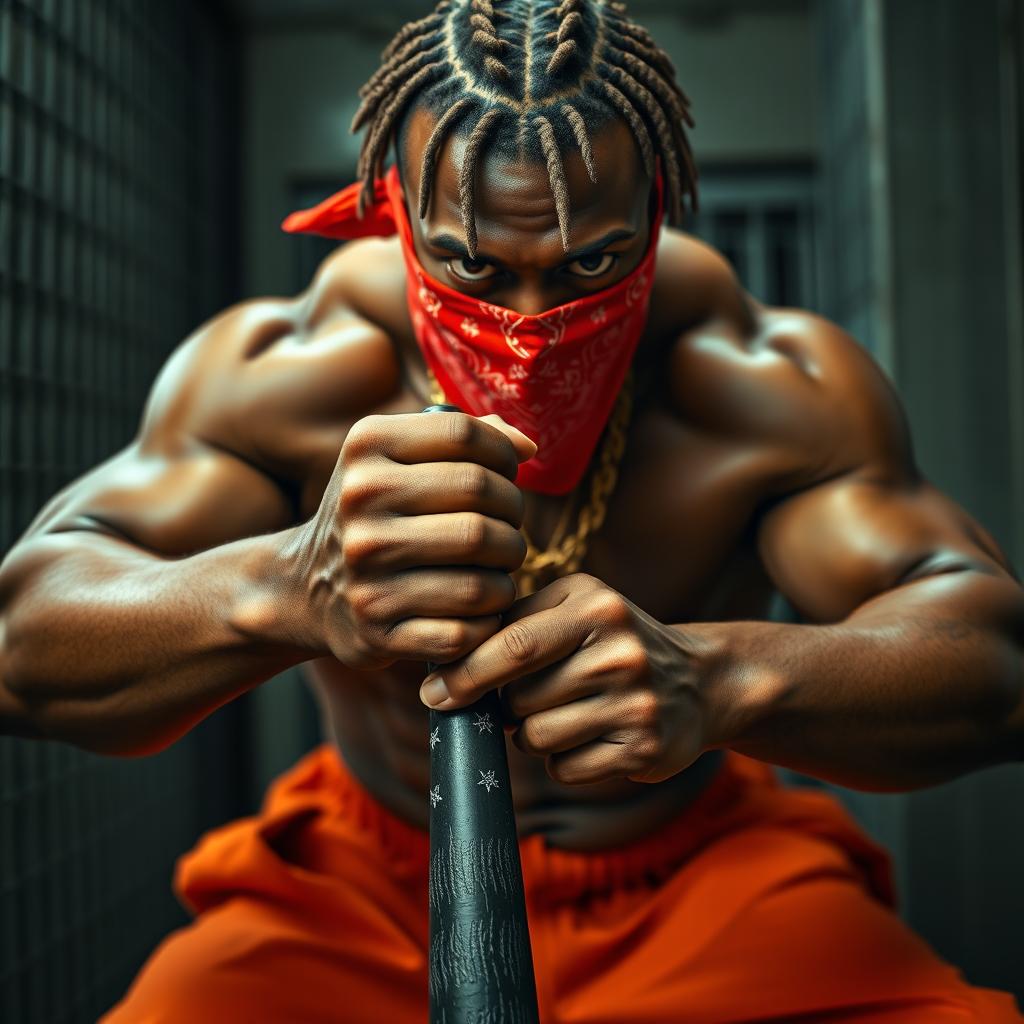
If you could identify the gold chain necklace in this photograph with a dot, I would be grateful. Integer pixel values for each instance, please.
(564, 554)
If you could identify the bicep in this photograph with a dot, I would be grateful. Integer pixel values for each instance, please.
(856, 517)
(248, 390)
(174, 502)
(836, 545)
(180, 487)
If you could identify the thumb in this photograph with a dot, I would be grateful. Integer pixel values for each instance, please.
(525, 448)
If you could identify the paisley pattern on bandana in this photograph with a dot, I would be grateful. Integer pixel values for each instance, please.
(555, 375)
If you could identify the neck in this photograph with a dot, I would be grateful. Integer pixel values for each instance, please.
(414, 366)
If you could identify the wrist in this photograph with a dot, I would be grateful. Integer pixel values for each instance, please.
(740, 680)
(270, 607)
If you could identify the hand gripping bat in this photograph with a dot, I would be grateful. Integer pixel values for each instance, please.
(481, 966)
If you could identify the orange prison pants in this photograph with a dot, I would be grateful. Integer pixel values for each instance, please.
(758, 903)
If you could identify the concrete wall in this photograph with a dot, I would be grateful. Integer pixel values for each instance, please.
(922, 197)
(854, 222)
(956, 363)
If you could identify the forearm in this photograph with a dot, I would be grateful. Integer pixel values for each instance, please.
(117, 650)
(916, 687)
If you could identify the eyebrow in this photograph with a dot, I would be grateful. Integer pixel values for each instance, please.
(457, 246)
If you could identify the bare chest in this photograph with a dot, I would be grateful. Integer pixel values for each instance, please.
(677, 540)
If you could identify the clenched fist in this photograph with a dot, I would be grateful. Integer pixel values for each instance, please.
(409, 554)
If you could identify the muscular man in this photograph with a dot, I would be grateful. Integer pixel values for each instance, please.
(693, 452)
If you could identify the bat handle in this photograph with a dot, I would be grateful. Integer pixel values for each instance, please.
(480, 964)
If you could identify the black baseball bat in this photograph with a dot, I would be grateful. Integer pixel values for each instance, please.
(480, 964)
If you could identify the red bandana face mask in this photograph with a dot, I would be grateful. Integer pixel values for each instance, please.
(555, 375)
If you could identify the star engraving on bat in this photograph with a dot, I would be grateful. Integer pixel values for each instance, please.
(435, 796)
(487, 780)
(483, 723)
(435, 738)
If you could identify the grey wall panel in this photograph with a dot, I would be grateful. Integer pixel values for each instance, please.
(954, 353)
(113, 179)
(922, 205)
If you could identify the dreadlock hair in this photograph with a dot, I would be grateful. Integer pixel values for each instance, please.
(527, 78)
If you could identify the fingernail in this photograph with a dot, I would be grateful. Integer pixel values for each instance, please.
(433, 692)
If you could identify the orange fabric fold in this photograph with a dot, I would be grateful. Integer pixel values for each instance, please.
(758, 903)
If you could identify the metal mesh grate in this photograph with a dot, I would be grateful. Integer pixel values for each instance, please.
(112, 172)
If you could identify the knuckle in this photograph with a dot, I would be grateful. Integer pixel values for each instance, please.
(450, 641)
(472, 532)
(472, 589)
(562, 770)
(358, 486)
(472, 480)
(631, 655)
(647, 749)
(363, 603)
(458, 430)
(363, 437)
(360, 546)
(536, 736)
(465, 684)
(577, 587)
(608, 607)
(645, 711)
(520, 642)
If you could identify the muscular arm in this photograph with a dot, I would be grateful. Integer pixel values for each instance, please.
(188, 568)
(150, 591)
(120, 650)
(910, 670)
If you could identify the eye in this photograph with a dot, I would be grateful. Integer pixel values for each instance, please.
(471, 270)
(592, 266)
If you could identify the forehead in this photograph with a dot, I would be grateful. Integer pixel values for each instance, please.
(514, 203)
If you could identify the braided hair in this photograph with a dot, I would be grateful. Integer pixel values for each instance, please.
(527, 78)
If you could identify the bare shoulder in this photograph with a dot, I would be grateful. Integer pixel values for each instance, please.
(244, 419)
(267, 377)
(786, 382)
(695, 284)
